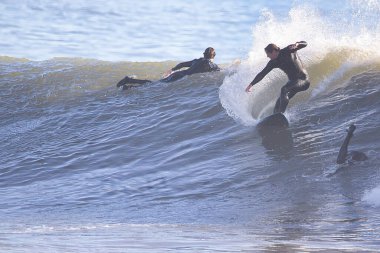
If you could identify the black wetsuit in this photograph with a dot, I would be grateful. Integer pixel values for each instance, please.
(344, 155)
(289, 62)
(195, 66)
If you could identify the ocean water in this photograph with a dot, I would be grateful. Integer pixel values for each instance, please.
(180, 167)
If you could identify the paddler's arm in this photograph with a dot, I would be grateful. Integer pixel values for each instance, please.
(179, 66)
(183, 65)
(342, 156)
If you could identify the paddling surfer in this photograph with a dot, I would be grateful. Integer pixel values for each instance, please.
(344, 155)
(288, 61)
(201, 65)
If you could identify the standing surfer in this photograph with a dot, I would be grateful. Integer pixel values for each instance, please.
(288, 61)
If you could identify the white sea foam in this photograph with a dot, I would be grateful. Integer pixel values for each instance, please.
(348, 35)
(372, 197)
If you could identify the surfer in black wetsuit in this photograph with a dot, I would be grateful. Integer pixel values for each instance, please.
(201, 65)
(344, 155)
(288, 61)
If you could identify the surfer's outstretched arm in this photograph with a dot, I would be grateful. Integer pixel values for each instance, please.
(185, 64)
(297, 46)
(342, 156)
(260, 76)
(181, 65)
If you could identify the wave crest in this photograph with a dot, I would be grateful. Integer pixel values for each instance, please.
(334, 55)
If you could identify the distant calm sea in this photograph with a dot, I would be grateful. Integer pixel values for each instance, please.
(180, 167)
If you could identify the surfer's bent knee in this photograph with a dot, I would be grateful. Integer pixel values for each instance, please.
(284, 93)
(306, 84)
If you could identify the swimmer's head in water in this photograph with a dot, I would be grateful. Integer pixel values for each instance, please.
(209, 53)
(272, 51)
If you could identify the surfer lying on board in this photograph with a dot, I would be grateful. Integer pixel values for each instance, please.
(344, 155)
(288, 61)
(201, 65)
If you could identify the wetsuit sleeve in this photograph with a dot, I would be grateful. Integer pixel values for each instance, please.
(301, 44)
(183, 65)
(215, 68)
(263, 73)
(343, 150)
(342, 156)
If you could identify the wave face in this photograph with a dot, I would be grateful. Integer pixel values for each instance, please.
(171, 166)
(338, 49)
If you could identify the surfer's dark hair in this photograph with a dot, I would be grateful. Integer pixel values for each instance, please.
(209, 53)
(271, 47)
